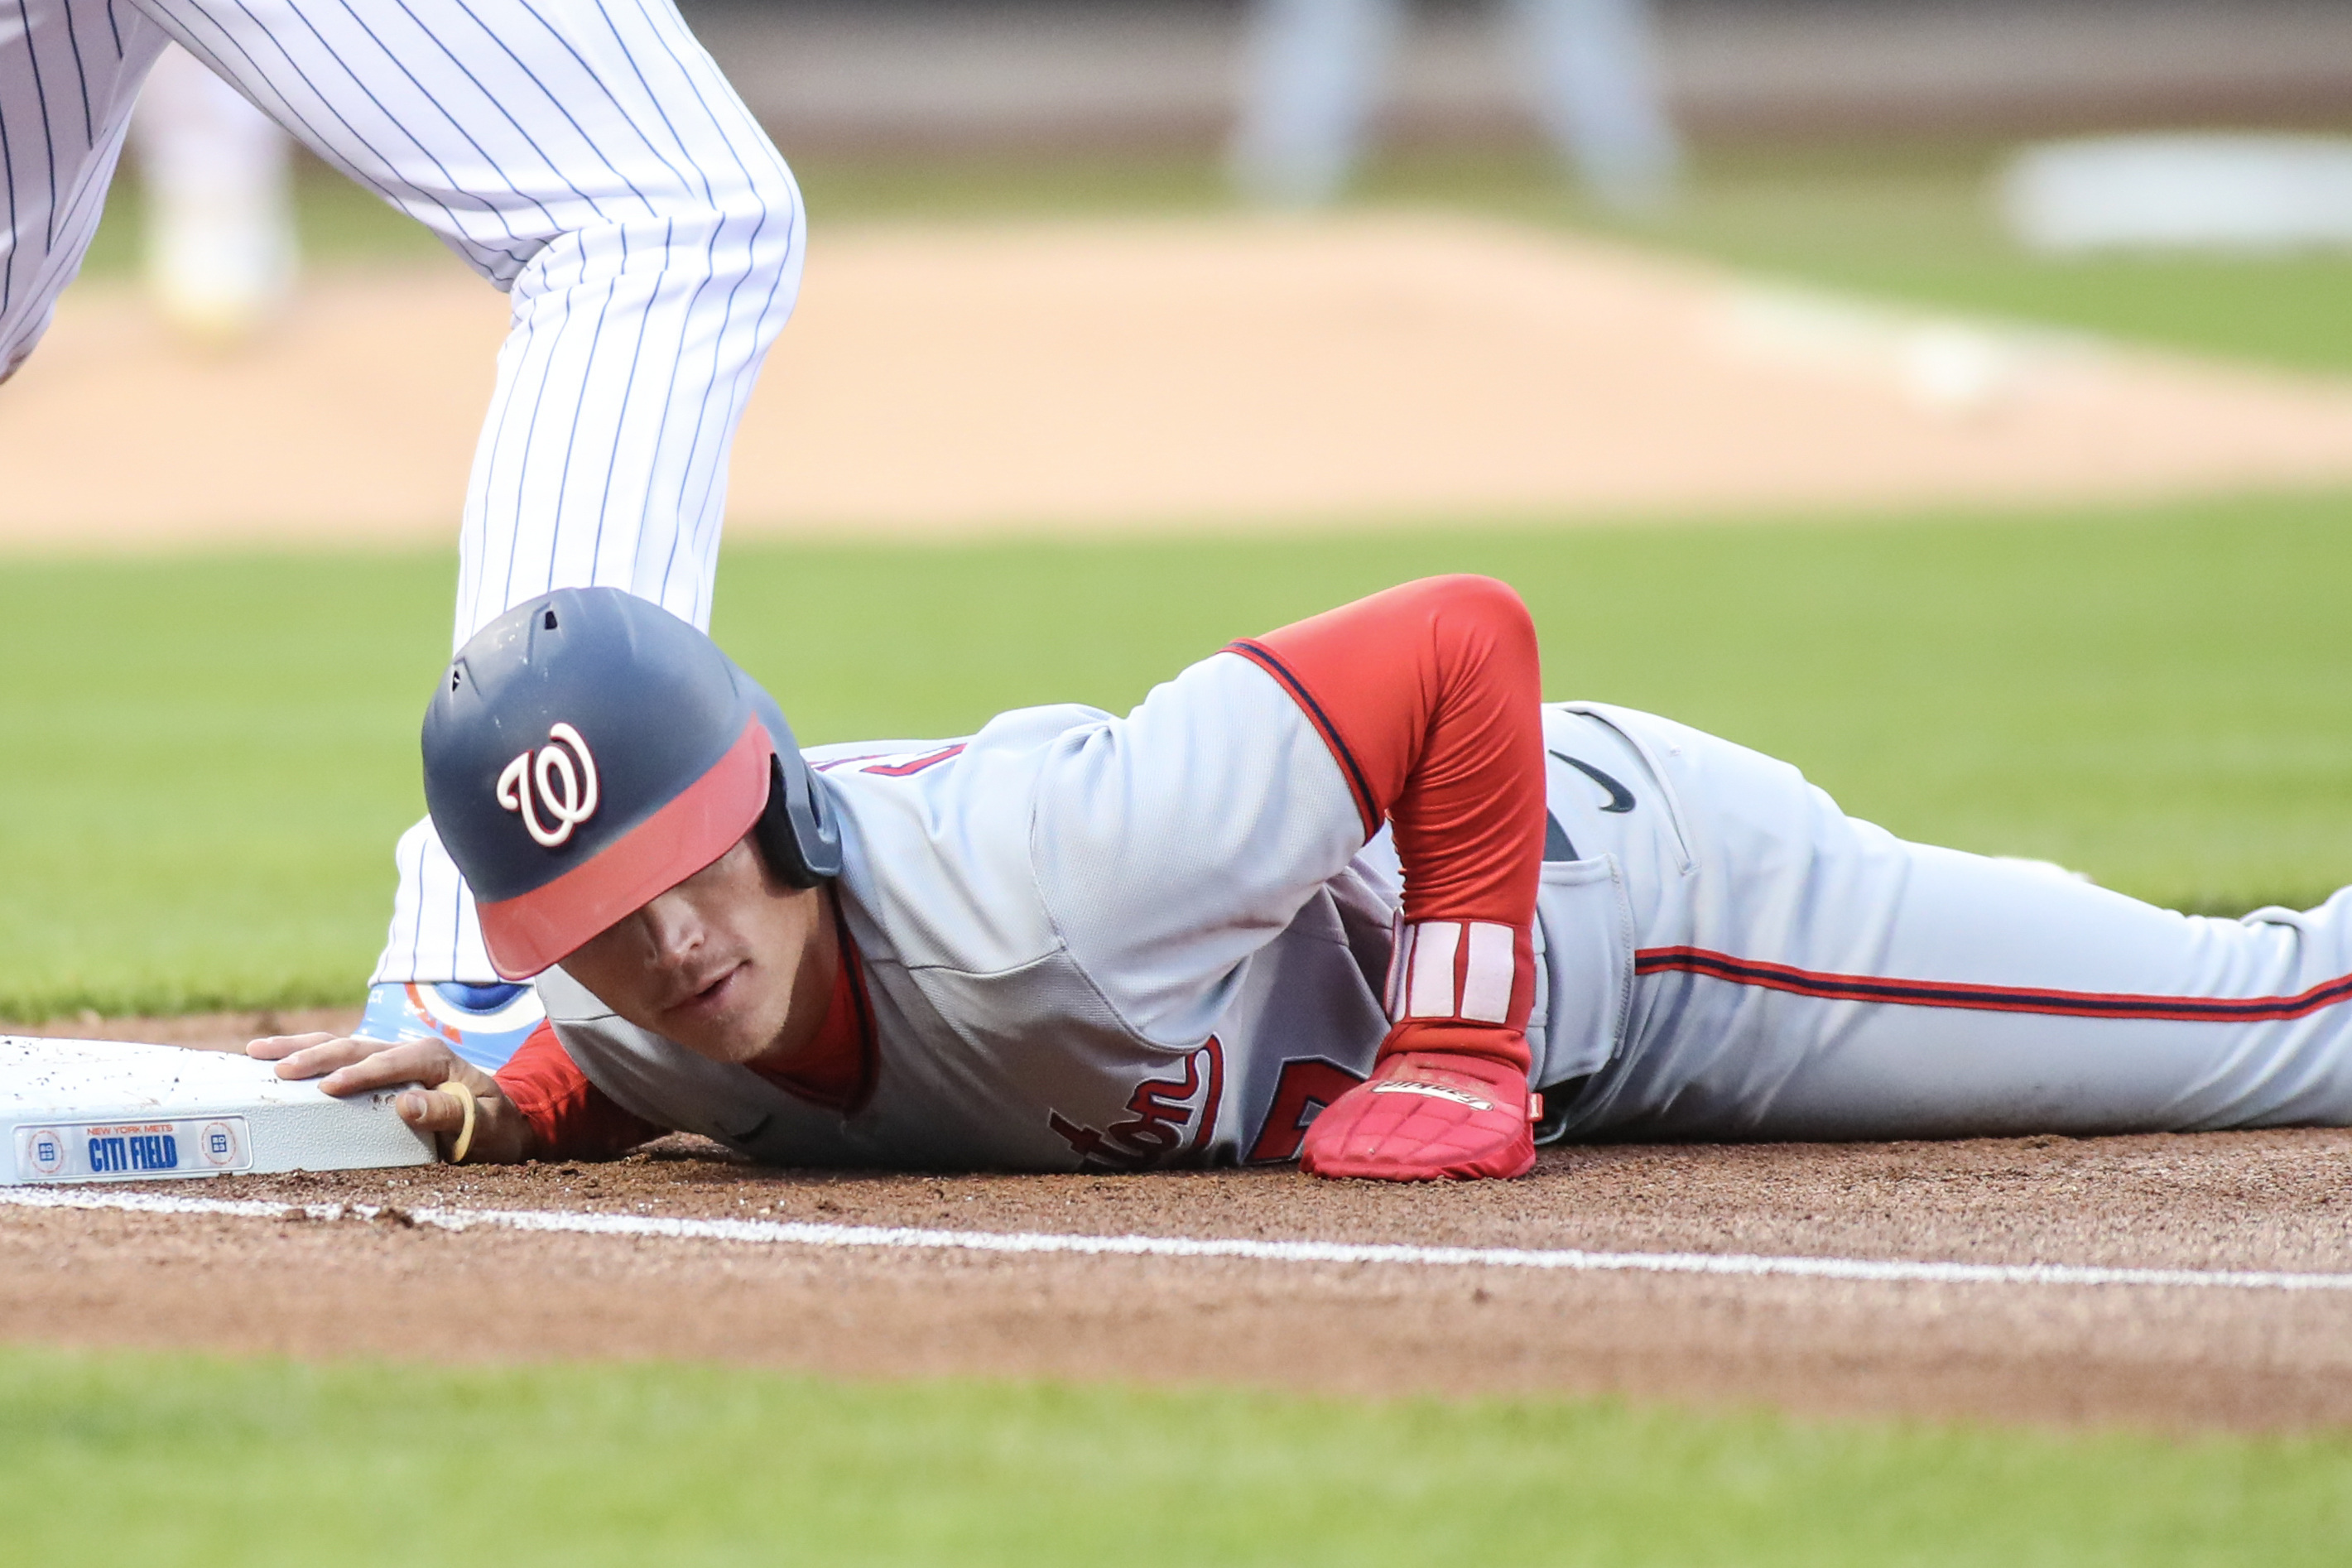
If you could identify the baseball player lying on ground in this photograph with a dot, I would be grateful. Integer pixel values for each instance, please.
(1349, 892)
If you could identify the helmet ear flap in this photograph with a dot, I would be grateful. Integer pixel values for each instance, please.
(798, 835)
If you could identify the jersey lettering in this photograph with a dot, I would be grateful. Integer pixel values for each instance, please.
(1158, 1114)
(1300, 1096)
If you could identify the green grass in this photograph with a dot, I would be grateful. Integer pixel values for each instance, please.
(206, 761)
(339, 223)
(1916, 222)
(172, 1460)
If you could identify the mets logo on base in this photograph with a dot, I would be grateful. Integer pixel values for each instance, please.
(558, 783)
(45, 1152)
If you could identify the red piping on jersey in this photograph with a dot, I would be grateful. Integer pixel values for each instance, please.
(1988, 998)
(1426, 697)
(903, 770)
(1367, 805)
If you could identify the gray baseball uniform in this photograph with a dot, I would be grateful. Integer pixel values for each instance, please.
(1092, 941)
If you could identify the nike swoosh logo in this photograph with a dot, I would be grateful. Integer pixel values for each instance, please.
(1620, 797)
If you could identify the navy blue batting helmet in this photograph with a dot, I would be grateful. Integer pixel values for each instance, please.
(589, 751)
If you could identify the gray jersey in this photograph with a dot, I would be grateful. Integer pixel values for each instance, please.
(1102, 942)
(1115, 943)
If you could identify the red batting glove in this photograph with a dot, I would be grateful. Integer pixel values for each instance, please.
(1427, 1116)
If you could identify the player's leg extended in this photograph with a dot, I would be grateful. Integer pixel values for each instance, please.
(221, 245)
(1314, 68)
(69, 72)
(1815, 977)
(1593, 68)
(591, 160)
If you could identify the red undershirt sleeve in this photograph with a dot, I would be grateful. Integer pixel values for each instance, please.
(1428, 696)
(574, 1118)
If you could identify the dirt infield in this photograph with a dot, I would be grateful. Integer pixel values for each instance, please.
(2175, 1356)
(1084, 376)
(206, 1031)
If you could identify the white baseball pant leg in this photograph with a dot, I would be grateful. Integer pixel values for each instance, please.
(69, 72)
(1311, 68)
(1804, 974)
(218, 182)
(585, 155)
(1592, 72)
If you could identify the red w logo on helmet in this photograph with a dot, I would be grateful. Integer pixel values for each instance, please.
(561, 782)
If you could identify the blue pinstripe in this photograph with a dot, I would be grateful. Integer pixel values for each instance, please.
(8, 262)
(82, 82)
(587, 157)
(303, 127)
(587, 371)
(48, 135)
(415, 140)
(684, 169)
(487, 96)
(557, 104)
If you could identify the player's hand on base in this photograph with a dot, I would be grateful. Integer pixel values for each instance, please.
(1427, 1116)
(343, 1065)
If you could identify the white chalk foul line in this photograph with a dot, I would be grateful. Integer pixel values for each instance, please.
(793, 1233)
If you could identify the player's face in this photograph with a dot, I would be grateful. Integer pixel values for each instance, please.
(731, 964)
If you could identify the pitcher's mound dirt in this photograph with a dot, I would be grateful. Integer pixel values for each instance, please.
(1152, 373)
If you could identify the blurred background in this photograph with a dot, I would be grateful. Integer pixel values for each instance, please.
(1161, 87)
(1920, 225)
(944, 74)
(925, 83)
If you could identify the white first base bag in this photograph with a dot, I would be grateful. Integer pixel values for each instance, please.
(100, 1111)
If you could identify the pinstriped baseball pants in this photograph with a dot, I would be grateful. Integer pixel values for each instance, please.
(584, 155)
